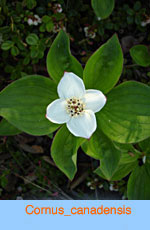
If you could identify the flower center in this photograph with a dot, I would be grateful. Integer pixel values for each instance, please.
(75, 107)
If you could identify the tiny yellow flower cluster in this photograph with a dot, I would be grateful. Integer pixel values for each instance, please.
(75, 107)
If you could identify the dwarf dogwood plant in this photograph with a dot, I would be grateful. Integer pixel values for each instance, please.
(76, 114)
(76, 106)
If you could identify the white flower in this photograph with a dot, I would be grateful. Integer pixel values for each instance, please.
(35, 23)
(58, 27)
(86, 30)
(88, 33)
(92, 188)
(58, 8)
(144, 159)
(76, 106)
(123, 197)
(113, 188)
(101, 186)
(89, 184)
(38, 18)
(144, 23)
(19, 198)
(35, 20)
(30, 21)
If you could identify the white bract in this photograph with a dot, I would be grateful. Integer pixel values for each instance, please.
(76, 106)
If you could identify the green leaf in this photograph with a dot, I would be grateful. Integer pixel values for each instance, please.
(14, 51)
(103, 8)
(130, 20)
(101, 147)
(9, 68)
(145, 145)
(26, 60)
(139, 183)
(23, 103)
(49, 26)
(6, 129)
(122, 171)
(130, 12)
(7, 45)
(42, 28)
(137, 6)
(97, 145)
(130, 154)
(141, 55)
(46, 18)
(3, 181)
(109, 162)
(49, 23)
(93, 147)
(64, 151)
(32, 39)
(104, 67)
(59, 58)
(126, 116)
(31, 4)
(127, 163)
(34, 52)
